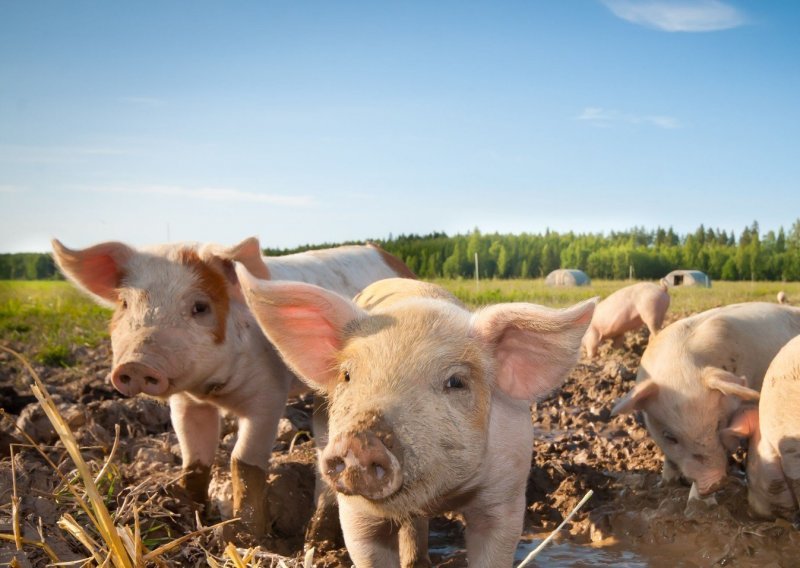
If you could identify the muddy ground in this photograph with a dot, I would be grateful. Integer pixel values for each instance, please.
(578, 447)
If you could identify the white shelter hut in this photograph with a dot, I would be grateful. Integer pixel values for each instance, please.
(688, 278)
(567, 277)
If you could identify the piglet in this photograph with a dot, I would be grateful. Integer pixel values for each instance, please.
(181, 332)
(429, 406)
(773, 430)
(625, 310)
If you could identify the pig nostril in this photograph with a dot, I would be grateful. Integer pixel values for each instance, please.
(151, 380)
(379, 471)
(125, 379)
(335, 465)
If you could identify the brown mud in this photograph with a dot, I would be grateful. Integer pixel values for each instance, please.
(632, 520)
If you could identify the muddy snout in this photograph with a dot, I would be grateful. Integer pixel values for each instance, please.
(133, 378)
(362, 464)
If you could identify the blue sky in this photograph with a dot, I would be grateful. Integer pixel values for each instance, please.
(309, 122)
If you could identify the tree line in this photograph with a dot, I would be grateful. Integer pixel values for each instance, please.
(641, 253)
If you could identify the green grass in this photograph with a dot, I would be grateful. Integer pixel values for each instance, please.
(50, 319)
(683, 300)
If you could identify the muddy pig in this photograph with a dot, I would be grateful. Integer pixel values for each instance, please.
(429, 406)
(181, 331)
(773, 430)
(627, 309)
(695, 374)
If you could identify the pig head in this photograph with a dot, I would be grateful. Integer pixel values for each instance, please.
(773, 434)
(429, 405)
(695, 375)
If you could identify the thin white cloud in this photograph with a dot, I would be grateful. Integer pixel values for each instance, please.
(53, 154)
(213, 194)
(143, 101)
(602, 117)
(9, 189)
(678, 16)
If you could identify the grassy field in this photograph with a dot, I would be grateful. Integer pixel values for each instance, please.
(51, 319)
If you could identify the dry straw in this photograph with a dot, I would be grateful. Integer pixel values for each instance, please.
(118, 544)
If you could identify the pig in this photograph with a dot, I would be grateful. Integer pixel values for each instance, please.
(693, 377)
(773, 431)
(429, 406)
(627, 309)
(782, 299)
(181, 331)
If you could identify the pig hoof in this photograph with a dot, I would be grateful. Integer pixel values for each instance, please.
(195, 481)
(694, 495)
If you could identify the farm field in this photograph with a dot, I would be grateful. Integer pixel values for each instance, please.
(630, 521)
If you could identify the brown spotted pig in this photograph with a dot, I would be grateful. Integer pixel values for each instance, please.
(181, 331)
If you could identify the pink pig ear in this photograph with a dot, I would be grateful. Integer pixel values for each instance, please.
(534, 346)
(99, 269)
(247, 252)
(743, 425)
(636, 397)
(305, 322)
(728, 383)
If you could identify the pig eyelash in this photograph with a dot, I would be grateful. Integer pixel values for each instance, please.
(454, 382)
(670, 437)
(200, 308)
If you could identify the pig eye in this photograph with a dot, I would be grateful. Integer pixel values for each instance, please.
(200, 308)
(670, 437)
(346, 376)
(454, 382)
(124, 304)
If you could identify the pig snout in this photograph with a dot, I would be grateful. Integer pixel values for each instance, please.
(133, 378)
(361, 464)
(709, 485)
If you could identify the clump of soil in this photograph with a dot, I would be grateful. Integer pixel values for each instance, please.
(578, 447)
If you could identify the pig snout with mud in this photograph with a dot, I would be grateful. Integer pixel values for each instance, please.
(625, 310)
(773, 430)
(429, 406)
(696, 373)
(182, 331)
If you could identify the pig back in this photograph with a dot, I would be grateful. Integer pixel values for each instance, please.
(780, 399)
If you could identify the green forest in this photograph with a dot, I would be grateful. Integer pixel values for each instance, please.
(638, 252)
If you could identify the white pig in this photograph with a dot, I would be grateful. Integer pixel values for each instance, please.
(627, 309)
(773, 457)
(429, 406)
(695, 374)
(181, 331)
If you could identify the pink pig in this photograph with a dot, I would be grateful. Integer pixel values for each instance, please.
(181, 331)
(429, 406)
(773, 459)
(627, 309)
(696, 374)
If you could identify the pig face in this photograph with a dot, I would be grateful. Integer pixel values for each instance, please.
(687, 422)
(173, 311)
(414, 383)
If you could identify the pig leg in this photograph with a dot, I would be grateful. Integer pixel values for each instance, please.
(670, 472)
(414, 543)
(493, 532)
(324, 525)
(371, 541)
(789, 449)
(197, 427)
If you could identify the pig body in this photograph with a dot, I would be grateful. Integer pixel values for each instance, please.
(625, 310)
(429, 406)
(773, 457)
(696, 373)
(181, 331)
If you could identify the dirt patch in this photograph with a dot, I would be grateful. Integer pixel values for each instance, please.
(578, 447)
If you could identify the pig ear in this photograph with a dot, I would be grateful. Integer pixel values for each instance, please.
(98, 270)
(636, 397)
(728, 383)
(248, 252)
(305, 322)
(743, 425)
(534, 346)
